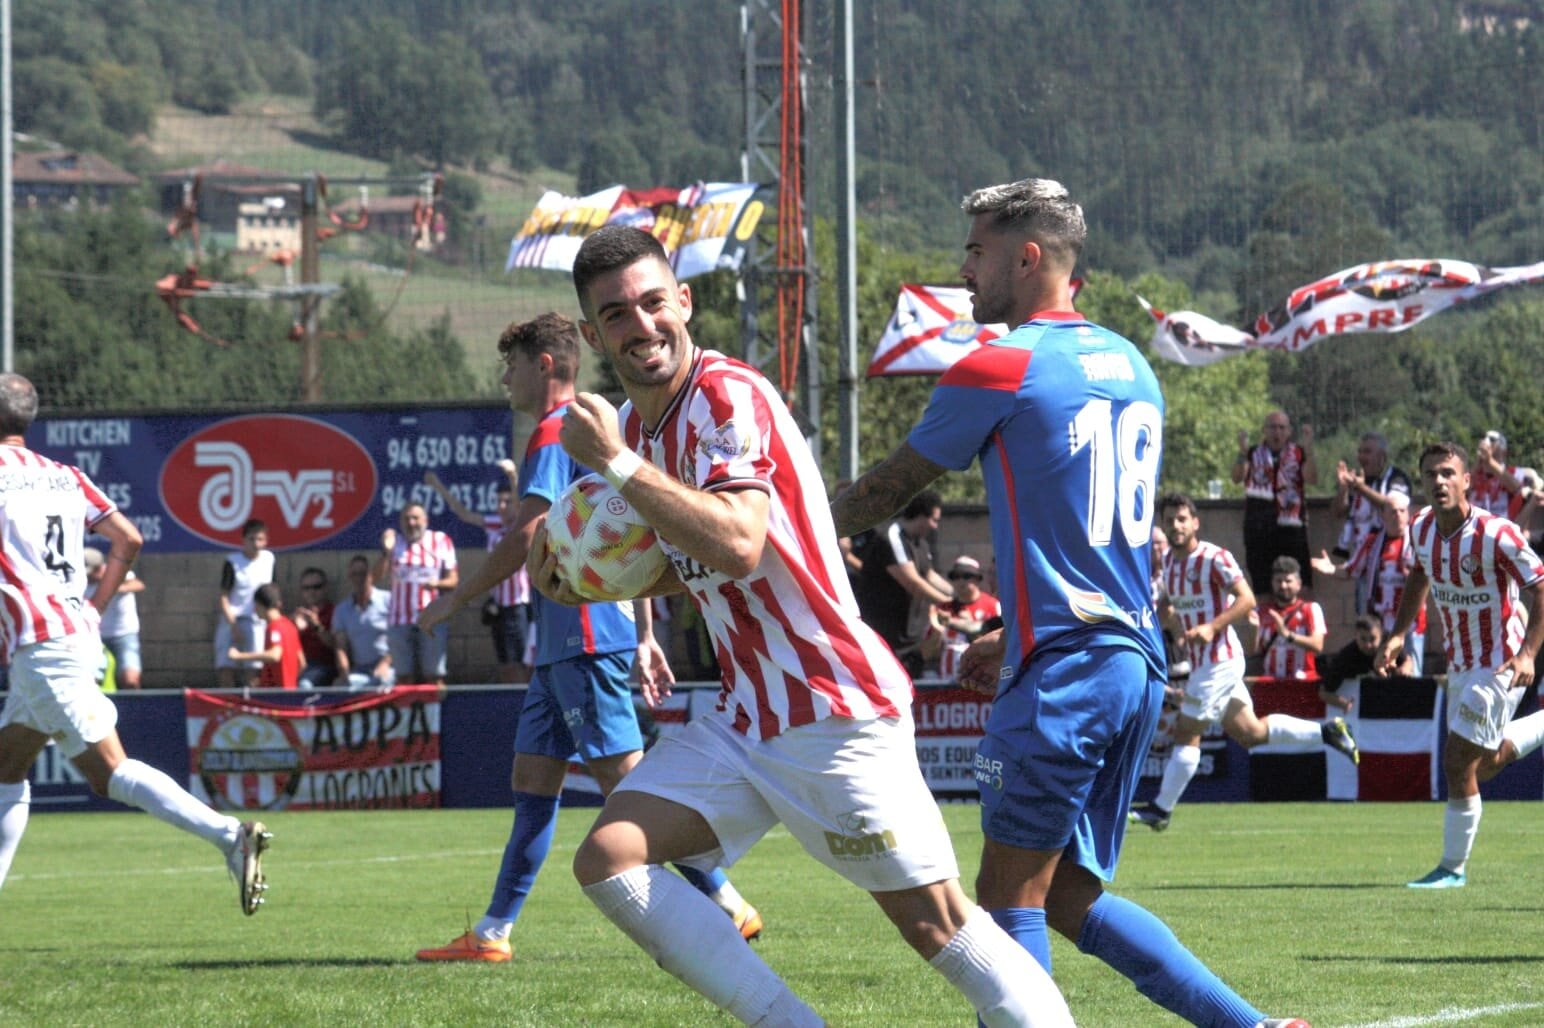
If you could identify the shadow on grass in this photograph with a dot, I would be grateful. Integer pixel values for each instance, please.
(1372, 958)
(1274, 886)
(233, 965)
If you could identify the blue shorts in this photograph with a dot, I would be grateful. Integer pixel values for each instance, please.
(125, 651)
(583, 706)
(1064, 747)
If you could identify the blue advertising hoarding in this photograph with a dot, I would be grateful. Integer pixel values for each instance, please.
(323, 479)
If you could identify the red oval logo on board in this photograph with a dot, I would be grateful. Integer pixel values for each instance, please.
(306, 479)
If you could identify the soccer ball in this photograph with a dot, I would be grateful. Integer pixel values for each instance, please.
(605, 550)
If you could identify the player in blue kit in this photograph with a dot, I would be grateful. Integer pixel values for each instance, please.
(579, 700)
(1066, 419)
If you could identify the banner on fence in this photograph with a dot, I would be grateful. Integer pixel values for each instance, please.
(360, 752)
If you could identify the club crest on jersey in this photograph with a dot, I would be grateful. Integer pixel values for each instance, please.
(724, 444)
(1469, 564)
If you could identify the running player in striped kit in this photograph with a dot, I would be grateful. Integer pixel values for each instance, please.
(50, 633)
(813, 728)
(1473, 564)
(1208, 594)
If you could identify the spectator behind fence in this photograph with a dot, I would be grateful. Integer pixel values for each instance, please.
(1380, 567)
(238, 626)
(1353, 660)
(1362, 492)
(1497, 486)
(1291, 629)
(281, 659)
(954, 625)
(1275, 474)
(507, 611)
(898, 568)
(359, 625)
(120, 620)
(313, 619)
(419, 565)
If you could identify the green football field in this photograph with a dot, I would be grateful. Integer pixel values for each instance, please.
(112, 919)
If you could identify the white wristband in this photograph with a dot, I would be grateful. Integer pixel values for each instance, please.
(621, 468)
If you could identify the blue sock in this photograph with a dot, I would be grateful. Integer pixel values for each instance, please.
(524, 854)
(1027, 926)
(705, 882)
(1141, 947)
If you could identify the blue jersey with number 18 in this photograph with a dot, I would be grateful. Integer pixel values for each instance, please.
(1067, 420)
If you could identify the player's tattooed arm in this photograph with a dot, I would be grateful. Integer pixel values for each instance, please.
(883, 490)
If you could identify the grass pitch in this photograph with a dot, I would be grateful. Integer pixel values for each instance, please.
(114, 919)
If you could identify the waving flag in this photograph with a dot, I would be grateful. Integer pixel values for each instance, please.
(703, 227)
(1385, 296)
(931, 329)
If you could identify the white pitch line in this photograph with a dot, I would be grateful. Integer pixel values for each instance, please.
(1451, 1015)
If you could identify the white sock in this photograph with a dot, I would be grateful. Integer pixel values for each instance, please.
(1001, 980)
(1460, 822)
(1298, 733)
(690, 937)
(140, 785)
(729, 899)
(493, 929)
(1177, 773)
(1526, 733)
(15, 803)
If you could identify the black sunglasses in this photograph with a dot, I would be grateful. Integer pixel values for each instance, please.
(955, 576)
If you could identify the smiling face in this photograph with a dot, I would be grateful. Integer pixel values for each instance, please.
(1182, 527)
(636, 318)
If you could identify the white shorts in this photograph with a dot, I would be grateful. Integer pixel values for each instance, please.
(1211, 687)
(1479, 705)
(54, 691)
(849, 791)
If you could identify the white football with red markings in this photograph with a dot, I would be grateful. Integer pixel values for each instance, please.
(605, 550)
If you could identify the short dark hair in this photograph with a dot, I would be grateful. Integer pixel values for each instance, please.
(253, 525)
(1039, 208)
(1180, 500)
(18, 404)
(609, 248)
(1442, 451)
(1369, 623)
(1285, 565)
(549, 333)
(318, 572)
(269, 597)
(925, 502)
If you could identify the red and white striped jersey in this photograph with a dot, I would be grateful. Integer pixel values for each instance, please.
(954, 644)
(516, 589)
(1474, 576)
(45, 510)
(1384, 564)
(1282, 658)
(415, 568)
(1198, 586)
(789, 640)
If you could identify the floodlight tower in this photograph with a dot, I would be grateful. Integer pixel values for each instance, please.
(777, 285)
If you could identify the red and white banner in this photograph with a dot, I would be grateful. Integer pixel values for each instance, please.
(364, 752)
(704, 227)
(1384, 296)
(950, 723)
(930, 330)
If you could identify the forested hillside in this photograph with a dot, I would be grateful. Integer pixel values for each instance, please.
(1225, 152)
